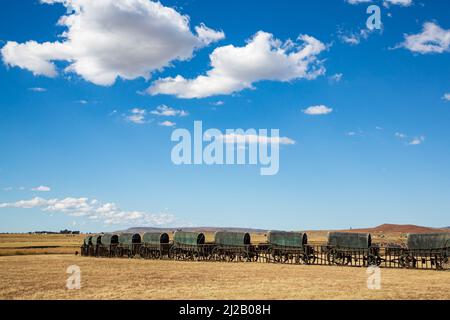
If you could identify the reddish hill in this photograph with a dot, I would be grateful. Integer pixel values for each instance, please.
(401, 228)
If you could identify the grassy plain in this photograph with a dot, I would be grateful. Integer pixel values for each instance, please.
(44, 277)
(29, 244)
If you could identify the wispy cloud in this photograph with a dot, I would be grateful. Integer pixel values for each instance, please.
(335, 78)
(136, 116)
(254, 138)
(92, 209)
(401, 135)
(41, 189)
(386, 3)
(317, 110)
(446, 96)
(167, 124)
(355, 37)
(410, 141)
(37, 89)
(417, 140)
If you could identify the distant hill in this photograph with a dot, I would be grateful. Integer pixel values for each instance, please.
(401, 228)
(192, 229)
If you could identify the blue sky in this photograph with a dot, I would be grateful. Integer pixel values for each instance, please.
(72, 157)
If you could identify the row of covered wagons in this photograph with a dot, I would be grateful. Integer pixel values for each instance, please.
(341, 248)
(154, 245)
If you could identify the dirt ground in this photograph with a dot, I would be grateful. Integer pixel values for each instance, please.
(44, 277)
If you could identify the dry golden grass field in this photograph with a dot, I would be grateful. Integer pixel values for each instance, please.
(26, 244)
(44, 277)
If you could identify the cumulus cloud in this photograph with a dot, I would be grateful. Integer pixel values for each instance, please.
(238, 68)
(92, 209)
(41, 189)
(432, 39)
(317, 110)
(108, 39)
(446, 96)
(166, 111)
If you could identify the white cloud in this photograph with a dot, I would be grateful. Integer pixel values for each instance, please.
(446, 97)
(386, 3)
(8, 189)
(401, 135)
(136, 115)
(357, 1)
(167, 111)
(218, 103)
(413, 142)
(253, 138)
(41, 189)
(432, 39)
(37, 89)
(108, 213)
(167, 124)
(403, 3)
(208, 35)
(416, 141)
(108, 39)
(317, 110)
(336, 78)
(354, 38)
(237, 68)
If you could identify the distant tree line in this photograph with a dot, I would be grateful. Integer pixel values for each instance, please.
(52, 232)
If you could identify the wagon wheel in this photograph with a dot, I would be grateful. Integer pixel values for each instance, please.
(309, 258)
(243, 257)
(171, 253)
(254, 256)
(230, 256)
(158, 254)
(374, 260)
(143, 252)
(336, 258)
(276, 256)
(215, 255)
(407, 261)
(446, 263)
(331, 257)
